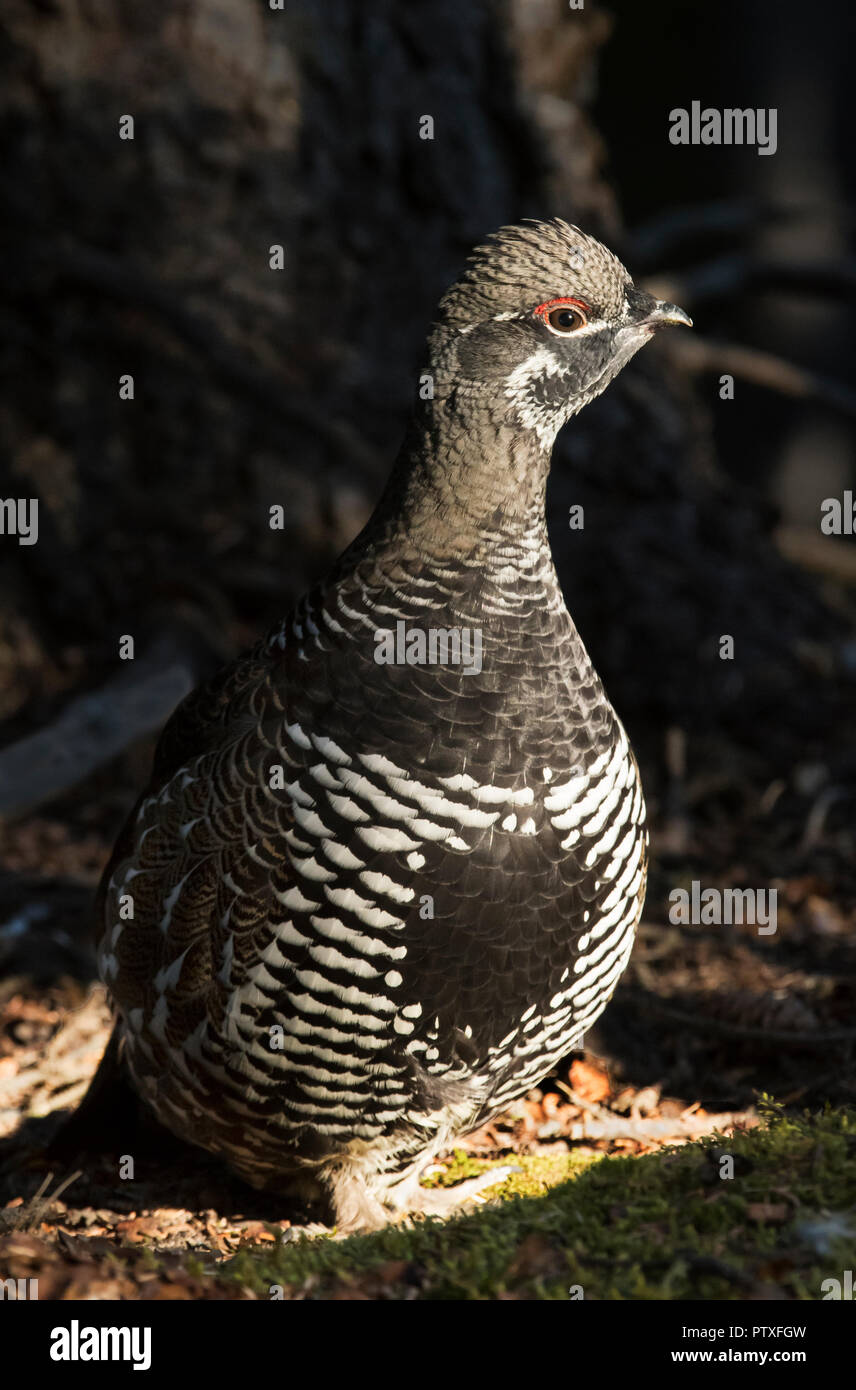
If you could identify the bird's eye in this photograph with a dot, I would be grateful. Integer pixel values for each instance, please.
(566, 320)
(563, 316)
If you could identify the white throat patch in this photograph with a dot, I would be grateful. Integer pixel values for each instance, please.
(520, 390)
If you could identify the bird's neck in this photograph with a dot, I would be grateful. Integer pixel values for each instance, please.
(459, 538)
(467, 488)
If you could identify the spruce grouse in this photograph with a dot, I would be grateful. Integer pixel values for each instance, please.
(389, 865)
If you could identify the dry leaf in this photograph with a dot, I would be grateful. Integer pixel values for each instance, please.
(589, 1082)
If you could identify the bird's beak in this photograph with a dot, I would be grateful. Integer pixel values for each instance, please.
(664, 313)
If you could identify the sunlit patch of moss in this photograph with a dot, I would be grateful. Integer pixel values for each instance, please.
(670, 1225)
(537, 1172)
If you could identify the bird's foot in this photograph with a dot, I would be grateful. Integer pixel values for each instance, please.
(356, 1209)
(308, 1231)
(444, 1201)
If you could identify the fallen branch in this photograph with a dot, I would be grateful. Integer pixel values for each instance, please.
(765, 369)
(827, 555)
(664, 1131)
(95, 727)
(601, 1123)
(699, 1023)
(737, 274)
(662, 236)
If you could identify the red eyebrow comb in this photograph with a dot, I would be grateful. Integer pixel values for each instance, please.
(563, 299)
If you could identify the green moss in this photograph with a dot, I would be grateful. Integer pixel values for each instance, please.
(536, 1176)
(664, 1226)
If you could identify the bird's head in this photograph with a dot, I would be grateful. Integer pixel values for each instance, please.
(538, 325)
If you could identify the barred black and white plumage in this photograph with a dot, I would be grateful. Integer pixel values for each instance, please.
(373, 902)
